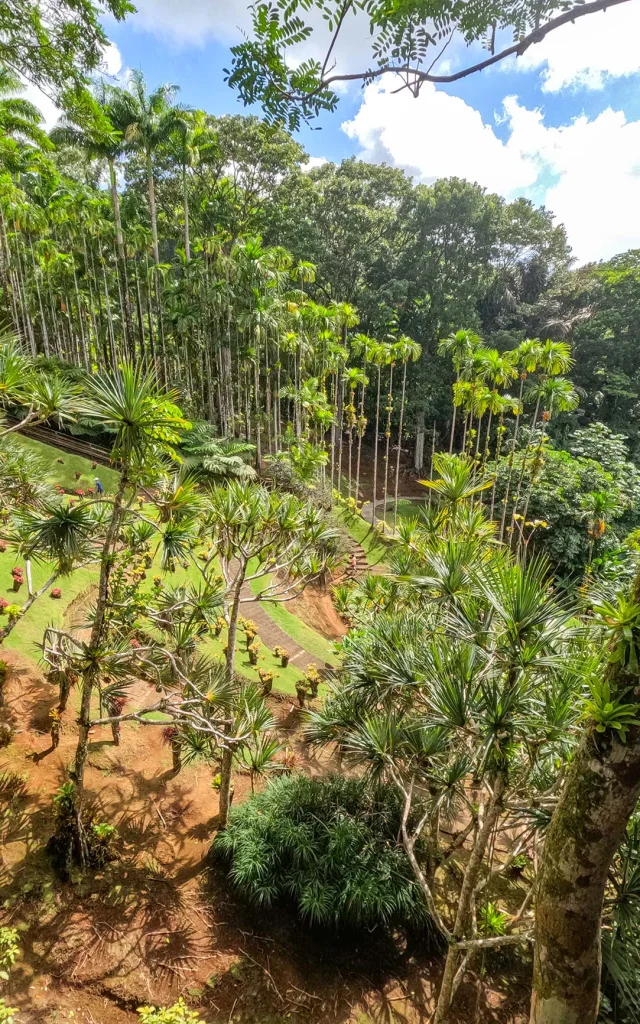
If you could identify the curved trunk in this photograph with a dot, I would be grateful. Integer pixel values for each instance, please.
(588, 824)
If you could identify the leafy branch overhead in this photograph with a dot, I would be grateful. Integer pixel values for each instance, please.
(408, 39)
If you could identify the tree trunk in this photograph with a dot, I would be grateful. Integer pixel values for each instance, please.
(395, 503)
(588, 825)
(418, 453)
(463, 913)
(152, 207)
(185, 201)
(128, 319)
(89, 677)
(375, 450)
(226, 767)
(386, 455)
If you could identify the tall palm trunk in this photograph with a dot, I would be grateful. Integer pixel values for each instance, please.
(402, 398)
(185, 204)
(375, 448)
(151, 190)
(360, 426)
(514, 442)
(498, 449)
(523, 468)
(453, 421)
(128, 318)
(386, 454)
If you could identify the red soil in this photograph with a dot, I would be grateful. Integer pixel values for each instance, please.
(159, 923)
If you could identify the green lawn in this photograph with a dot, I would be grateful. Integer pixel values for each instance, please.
(47, 611)
(64, 472)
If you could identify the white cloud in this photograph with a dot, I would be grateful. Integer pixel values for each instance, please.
(197, 22)
(436, 136)
(50, 112)
(111, 60)
(586, 172)
(192, 22)
(314, 161)
(587, 52)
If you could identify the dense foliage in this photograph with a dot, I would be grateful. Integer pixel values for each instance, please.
(330, 846)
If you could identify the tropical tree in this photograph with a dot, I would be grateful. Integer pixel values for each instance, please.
(589, 823)
(406, 349)
(145, 422)
(436, 690)
(145, 121)
(258, 534)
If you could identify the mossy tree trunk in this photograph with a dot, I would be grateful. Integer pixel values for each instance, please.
(587, 827)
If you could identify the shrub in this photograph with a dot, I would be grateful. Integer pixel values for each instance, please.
(9, 950)
(78, 841)
(330, 846)
(56, 593)
(7, 1013)
(179, 1013)
(283, 654)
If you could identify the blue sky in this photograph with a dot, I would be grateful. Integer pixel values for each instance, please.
(562, 126)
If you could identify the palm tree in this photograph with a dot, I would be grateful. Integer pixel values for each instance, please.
(192, 141)
(55, 532)
(353, 377)
(379, 354)
(552, 358)
(525, 359)
(257, 533)
(455, 484)
(556, 394)
(145, 121)
(406, 349)
(598, 508)
(19, 119)
(146, 424)
(460, 346)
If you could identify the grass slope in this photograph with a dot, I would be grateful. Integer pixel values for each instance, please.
(373, 545)
(64, 473)
(304, 635)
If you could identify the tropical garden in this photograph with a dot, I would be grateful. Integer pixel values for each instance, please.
(319, 564)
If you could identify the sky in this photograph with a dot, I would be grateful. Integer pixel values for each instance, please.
(559, 125)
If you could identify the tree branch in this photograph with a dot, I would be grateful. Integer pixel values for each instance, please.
(516, 49)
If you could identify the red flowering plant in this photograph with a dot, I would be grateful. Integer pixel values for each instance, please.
(56, 593)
